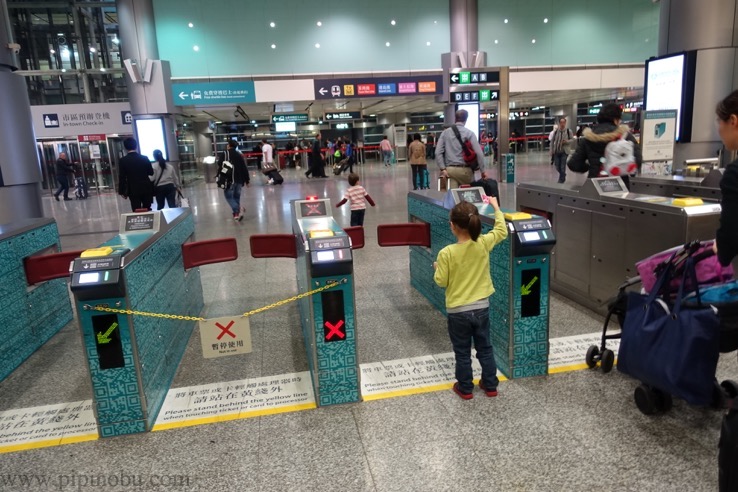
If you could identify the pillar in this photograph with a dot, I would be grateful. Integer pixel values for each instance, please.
(153, 96)
(20, 170)
(687, 25)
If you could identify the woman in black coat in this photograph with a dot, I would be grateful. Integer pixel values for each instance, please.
(591, 147)
(726, 237)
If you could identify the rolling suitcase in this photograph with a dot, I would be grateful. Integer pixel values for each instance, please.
(80, 188)
(276, 177)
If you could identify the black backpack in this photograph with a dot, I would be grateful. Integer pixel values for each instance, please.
(225, 176)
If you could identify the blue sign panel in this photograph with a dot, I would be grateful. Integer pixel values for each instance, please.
(386, 89)
(414, 85)
(205, 93)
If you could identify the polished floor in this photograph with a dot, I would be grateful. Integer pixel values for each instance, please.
(572, 431)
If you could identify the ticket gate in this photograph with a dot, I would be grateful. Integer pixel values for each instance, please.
(705, 187)
(519, 309)
(603, 230)
(133, 358)
(328, 319)
(34, 306)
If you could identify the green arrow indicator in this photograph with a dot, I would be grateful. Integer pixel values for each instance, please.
(102, 338)
(525, 289)
(465, 77)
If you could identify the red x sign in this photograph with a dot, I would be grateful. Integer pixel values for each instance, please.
(225, 329)
(334, 330)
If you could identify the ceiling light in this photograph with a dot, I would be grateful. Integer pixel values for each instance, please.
(317, 45)
(102, 69)
(64, 69)
(190, 25)
(393, 22)
(272, 24)
(53, 52)
(92, 50)
(545, 20)
(496, 41)
(505, 21)
(253, 121)
(319, 23)
(320, 122)
(435, 22)
(533, 41)
(372, 115)
(387, 44)
(116, 40)
(274, 46)
(427, 43)
(196, 48)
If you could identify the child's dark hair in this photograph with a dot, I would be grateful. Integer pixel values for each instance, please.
(353, 179)
(609, 113)
(466, 216)
(728, 106)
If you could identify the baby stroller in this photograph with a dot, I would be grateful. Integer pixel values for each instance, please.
(670, 341)
(80, 188)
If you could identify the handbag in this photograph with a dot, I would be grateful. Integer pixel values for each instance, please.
(675, 351)
(181, 200)
(267, 167)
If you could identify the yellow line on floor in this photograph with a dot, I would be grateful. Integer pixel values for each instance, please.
(233, 416)
(48, 443)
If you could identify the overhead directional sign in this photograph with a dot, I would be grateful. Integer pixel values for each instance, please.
(483, 95)
(205, 93)
(480, 77)
(378, 87)
(346, 115)
(288, 118)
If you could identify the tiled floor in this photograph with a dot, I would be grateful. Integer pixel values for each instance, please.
(573, 431)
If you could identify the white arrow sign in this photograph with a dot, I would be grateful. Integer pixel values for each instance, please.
(454, 78)
(329, 116)
(323, 91)
(183, 96)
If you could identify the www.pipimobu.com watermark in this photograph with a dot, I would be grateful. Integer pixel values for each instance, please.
(94, 481)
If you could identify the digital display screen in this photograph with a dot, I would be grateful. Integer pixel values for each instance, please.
(289, 126)
(472, 123)
(89, 278)
(150, 135)
(139, 222)
(313, 209)
(531, 236)
(471, 196)
(325, 255)
(610, 185)
(665, 84)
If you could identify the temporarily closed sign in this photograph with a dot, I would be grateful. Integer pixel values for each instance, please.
(225, 336)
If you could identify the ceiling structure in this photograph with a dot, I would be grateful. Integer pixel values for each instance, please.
(262, 112)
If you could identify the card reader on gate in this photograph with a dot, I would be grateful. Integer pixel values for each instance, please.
(532, 236)
(330, 255)
(98, 277)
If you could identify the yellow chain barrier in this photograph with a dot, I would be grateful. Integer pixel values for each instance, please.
(194, 318)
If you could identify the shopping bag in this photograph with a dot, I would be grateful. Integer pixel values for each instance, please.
(181, 200)
(675, 350)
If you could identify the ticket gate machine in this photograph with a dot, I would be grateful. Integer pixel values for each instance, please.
(328, 318)
(132, 359)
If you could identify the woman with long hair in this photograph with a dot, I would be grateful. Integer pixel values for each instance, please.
(166, 182)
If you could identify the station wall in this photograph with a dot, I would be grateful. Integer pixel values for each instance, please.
(234, 38)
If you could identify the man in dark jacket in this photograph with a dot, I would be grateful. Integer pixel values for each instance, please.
(134, 170)
(317, 163)
(240, 178)
(591, 147)
(62, 170)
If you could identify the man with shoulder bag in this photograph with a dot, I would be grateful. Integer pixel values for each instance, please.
(560, 139)
(458, 153)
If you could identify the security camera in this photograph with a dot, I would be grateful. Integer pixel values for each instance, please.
(14, 47)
